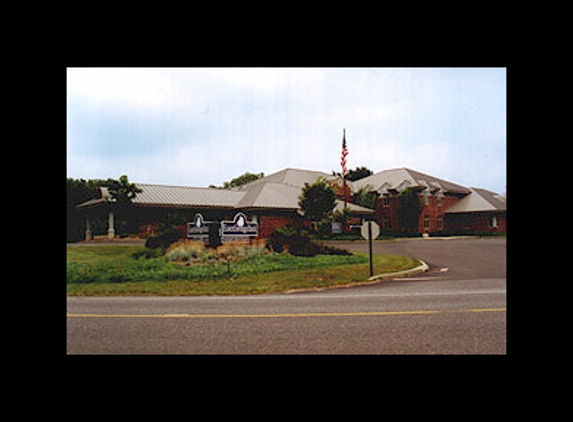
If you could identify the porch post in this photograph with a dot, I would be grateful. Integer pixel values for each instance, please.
(88, 230)
(110, 230)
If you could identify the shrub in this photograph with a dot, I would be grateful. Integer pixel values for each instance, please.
(163, 239)
(298, 243)
(197, 252)
(187, 250)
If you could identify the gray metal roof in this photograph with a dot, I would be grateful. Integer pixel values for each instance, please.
(281, 190)
(185, 197)
(271, 195)
(479, 200)
(404, 177)
(289, 176)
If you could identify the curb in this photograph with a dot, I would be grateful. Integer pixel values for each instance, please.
(372, 280)
(414, 271)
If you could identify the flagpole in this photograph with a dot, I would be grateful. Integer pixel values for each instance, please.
(344, 186)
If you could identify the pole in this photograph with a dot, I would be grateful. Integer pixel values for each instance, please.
(370, 247)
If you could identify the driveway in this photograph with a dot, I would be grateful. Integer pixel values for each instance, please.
(464, 258)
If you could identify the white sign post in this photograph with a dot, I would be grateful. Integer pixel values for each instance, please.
(370, 230)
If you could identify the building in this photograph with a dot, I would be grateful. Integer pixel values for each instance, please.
(272, 202)
(446, 207)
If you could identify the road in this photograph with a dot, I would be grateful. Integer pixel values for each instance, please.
(459, 307)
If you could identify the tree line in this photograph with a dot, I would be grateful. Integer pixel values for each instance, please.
(122, 192)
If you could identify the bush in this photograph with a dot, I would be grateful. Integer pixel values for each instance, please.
(164, 239)
(298, 243)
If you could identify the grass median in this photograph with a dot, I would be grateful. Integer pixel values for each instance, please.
(122, 271)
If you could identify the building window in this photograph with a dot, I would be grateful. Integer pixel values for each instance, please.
(440, 223)
(493, 222)
(426, 222)
(386, 200)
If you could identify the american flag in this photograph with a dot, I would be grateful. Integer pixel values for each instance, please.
(344, 153)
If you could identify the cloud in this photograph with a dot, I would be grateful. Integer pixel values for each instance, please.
(203, 126)
(132, 86)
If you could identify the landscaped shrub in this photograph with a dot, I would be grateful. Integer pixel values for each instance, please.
(164, 239)
(298, 243)
(193, 252)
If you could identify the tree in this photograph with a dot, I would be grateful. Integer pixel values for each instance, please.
(359, 173)
(79, 190)
(122, 192)
(409, 209)
(317, 200)
(240, 180)
(365, 197)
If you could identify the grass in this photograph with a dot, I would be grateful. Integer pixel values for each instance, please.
(114, 271)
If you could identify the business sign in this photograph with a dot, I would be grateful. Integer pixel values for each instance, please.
(198, 229)
(239, 227)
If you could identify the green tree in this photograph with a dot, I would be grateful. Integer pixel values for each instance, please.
(241, 180)
(122, 192)
(409, 210)
(366, 197)
(317, 200)
(79, 190)
(358, 173)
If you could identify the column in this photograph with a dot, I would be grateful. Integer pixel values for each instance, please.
(88, 230)
(110, 230)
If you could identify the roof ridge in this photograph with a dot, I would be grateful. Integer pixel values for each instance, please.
(182, 186)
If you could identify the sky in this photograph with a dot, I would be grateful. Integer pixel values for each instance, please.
(203, 126)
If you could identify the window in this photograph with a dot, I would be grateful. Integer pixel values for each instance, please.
(493, 222)
(426, 222)
(440, 222)
(386, 200)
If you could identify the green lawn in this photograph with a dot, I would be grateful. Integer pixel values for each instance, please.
(113, 270)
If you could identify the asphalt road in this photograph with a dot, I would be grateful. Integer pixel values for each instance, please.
(459, 307)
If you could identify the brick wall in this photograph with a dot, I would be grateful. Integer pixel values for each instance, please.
(269, 223)
(479, 222)
(428, 221)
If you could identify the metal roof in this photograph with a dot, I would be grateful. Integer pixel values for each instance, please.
(271, 195)
(281, 190)
(289, 176)
(478, 200)
(185, 197)
(404, 177)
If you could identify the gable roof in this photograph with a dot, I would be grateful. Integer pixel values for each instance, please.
(288, 176)
(270, 195)
(478, 200)
(404, 177)
(281, 190)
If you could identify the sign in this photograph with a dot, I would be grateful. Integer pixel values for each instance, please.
(335, 227)
(198, 229)
(369, 231)
(239, 227)
(375, 230)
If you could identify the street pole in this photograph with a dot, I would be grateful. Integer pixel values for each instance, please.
(370, 247)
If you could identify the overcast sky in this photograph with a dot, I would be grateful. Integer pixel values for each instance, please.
(202, 126)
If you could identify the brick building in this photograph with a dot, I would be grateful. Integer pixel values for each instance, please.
(445, 207)
(438, 206)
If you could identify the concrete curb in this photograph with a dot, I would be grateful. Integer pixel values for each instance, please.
(372, 280)
(414, 271)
